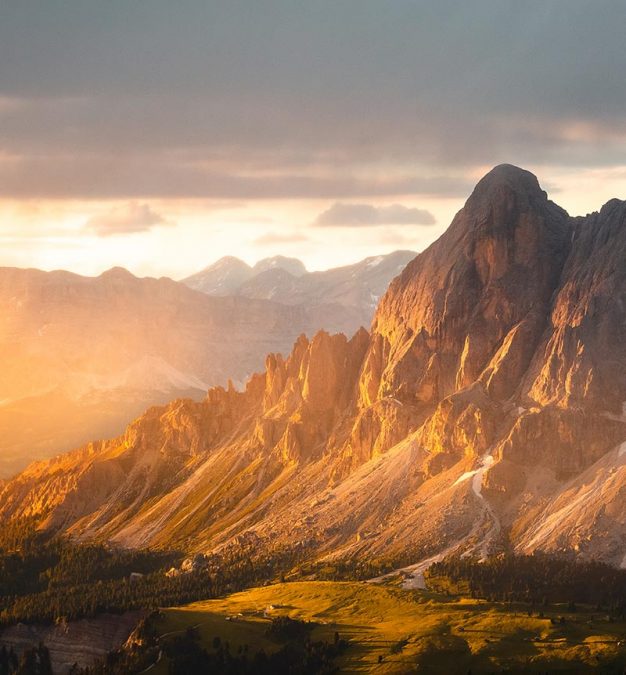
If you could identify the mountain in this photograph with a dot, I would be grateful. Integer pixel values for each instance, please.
(353, 290)
(225, 276)
(292, 266)
(484, 411)
(221, 278)
(81, 356)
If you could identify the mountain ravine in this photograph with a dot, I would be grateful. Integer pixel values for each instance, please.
(486, 409)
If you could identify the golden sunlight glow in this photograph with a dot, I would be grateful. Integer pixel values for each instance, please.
(52, 234)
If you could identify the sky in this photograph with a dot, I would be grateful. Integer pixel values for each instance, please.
(161, 135)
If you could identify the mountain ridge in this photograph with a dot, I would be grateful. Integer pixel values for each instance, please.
(483, 412)
(356, 287)
(84, 355)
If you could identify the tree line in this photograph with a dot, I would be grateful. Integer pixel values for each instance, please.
(185, 654)
(539, 578)
(34, 661)
(48, 578)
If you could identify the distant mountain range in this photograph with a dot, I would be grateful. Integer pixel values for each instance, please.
(81, 357)
(485, 412)
(228, 274)
(356, 288)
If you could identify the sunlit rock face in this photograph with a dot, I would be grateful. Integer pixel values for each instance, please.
(81, 357)
(485, 409)
(473, 306)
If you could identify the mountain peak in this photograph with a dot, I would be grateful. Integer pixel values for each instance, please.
(222, 277)
(117, 273)
(612, 205)
(511, 176)
(505, 193)
(512, 184)
(227, 261)
(292, 265)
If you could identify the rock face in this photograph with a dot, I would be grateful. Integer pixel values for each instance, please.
(80, 357)
(76, 642)
(471, 307)
(486, 408)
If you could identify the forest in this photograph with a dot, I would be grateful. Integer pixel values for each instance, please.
(35, 661)
(536, 579)
(296, 653)
(46, 578)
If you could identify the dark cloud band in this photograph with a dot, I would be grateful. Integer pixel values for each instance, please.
(303, 100)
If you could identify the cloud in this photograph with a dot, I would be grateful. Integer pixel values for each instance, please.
(164, 177)
(93, 113)
(127, 219)
(271, 238)
(368, 215)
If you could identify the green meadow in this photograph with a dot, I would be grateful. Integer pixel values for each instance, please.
(391, 630)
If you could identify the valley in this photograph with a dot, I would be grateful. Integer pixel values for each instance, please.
(390, 630)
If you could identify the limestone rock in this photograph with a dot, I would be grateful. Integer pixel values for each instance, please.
(486, 408)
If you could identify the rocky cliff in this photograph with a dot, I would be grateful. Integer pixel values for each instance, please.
(81, 357)
(485, 409)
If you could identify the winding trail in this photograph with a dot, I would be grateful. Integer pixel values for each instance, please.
(487, 461)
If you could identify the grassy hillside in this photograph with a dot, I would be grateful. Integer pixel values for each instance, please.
(396, 631)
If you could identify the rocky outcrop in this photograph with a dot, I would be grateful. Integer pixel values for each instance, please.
(582, 360)
(80, 642)
(464, 425)
(82, 356)
(485, 409)
(283, 418)
(474, 304)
